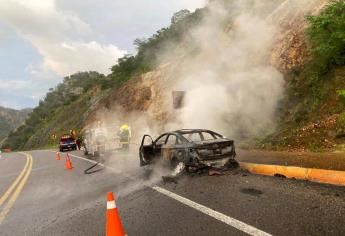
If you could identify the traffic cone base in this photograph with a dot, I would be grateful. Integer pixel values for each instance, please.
(58, 157)
(68, 164)
(113, 225)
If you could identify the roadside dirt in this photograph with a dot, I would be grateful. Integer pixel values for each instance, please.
(328, 161)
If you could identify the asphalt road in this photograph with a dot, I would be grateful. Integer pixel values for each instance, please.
(55, 201)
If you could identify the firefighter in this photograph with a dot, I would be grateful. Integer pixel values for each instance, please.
(79, 142)
(125, 135)
(72, 133)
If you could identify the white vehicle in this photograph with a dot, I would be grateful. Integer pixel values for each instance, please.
(102, 139)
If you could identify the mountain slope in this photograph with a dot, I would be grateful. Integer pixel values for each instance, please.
(11, 119)
(64, 107)
(248, 69)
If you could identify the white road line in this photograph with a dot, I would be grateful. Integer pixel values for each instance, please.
(85, 159)
(207, 211)
(212, 213)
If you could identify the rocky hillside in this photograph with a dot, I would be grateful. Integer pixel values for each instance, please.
(148, 96)
(11, 119)
(64, 107)
(261, 72)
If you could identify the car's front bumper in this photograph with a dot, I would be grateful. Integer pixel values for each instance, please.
(216, 162)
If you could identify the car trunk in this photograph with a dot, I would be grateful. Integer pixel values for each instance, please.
(214, 149)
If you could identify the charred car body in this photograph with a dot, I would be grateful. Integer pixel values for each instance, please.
(188, 149)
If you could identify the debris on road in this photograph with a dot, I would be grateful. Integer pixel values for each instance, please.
(169, 179)
(251, 191)
(212, 172)
(89, 170)
(280, 176)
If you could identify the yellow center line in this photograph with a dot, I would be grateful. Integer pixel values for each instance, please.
(17, 191)
(10, 189)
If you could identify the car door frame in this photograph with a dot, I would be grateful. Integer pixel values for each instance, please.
(145, 160)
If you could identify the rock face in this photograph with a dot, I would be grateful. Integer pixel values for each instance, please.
(150, 93)
(290, 51)
(142, 99)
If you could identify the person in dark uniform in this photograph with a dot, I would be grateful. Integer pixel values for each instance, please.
(79, 142)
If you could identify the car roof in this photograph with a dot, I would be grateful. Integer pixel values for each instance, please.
(188, 131)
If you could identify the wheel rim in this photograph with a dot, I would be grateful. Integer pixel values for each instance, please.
(179, 168)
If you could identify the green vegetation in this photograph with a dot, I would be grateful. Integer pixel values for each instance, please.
(65, 107)
(326, 35)
(10, 119)
(341, 95)
(62, 109)
(147, 57)
(316, 92)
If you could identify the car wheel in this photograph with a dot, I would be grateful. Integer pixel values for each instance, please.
(233, 164)
(178, 167)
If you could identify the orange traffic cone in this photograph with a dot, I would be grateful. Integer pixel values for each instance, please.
(68, 164)
(58, 156)
(113, 226)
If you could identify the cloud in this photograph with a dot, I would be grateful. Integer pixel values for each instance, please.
(68, 57)
(43, 40)
(191, 4)
(54, 33)
(20, 93)
(124, 21)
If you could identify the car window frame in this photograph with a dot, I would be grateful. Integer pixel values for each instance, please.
(192, 133)
(210, 133)
(177, 140)
(155, 143)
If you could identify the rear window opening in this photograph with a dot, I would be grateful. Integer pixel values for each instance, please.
(193, 137)
(201, 136)
(208, 136)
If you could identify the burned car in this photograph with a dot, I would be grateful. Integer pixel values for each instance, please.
(188, 149)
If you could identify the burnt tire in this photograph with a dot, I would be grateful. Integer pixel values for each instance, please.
(178, 167)
(232, 164)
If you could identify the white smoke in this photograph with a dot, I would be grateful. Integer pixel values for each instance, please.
(230, 86)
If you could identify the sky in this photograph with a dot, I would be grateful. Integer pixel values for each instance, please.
(41, 41)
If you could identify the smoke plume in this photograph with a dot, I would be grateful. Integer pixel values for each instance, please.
(230, 86)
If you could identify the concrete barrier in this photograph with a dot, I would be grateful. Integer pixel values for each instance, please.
(316, 175)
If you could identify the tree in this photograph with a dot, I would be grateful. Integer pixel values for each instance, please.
(326, 35)
(180, 15)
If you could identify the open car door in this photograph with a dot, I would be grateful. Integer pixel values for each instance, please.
(146, 150)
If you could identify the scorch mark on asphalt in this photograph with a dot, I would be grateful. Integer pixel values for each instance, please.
(201, 208)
